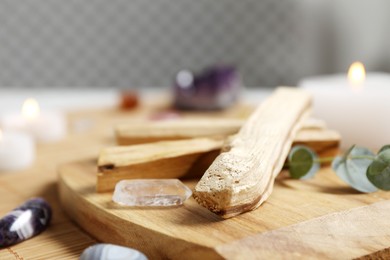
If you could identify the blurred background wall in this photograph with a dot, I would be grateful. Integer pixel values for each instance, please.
(134, 43)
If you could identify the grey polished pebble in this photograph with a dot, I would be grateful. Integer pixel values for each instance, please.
(27, 220)
(111, 252)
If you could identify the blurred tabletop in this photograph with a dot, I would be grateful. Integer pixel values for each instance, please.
(90, 120)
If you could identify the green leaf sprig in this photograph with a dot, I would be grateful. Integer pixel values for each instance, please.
(358, 167)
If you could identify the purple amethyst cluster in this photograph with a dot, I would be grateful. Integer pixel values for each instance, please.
(216, 87)
(26, 221)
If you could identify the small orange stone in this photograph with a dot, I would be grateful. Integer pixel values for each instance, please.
(129, 100)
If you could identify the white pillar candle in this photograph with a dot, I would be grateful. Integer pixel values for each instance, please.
(17, 151)
(357, 107)
(45, 126)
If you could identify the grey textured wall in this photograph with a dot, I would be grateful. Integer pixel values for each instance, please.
(124, 43)
(142, 43)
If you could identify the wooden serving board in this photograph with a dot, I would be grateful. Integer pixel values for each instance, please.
(317, 218)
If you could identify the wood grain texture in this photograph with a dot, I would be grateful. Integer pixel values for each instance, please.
(165, 159)
(196, 233)
(139, 132)
(313, 133)
(241, 177)
(152, 131)
(186, 158)
(316, 238)
(325, 142)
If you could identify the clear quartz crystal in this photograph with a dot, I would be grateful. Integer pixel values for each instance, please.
(151, 192)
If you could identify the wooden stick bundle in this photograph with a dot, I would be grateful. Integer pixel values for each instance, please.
(241, 178)
(191, 157)
(152, 131)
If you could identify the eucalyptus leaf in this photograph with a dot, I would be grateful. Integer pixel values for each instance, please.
(379, 171)
(352, 168)
(384, 148)
(303, 162)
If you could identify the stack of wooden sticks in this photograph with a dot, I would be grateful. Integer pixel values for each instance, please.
(237, 160)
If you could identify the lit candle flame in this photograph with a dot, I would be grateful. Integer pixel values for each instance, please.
(30, 108)
(356, 74)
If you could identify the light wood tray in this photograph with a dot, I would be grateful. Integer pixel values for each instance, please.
(318, 218)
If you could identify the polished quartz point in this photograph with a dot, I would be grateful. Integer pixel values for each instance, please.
(111, 252)
(151, 192)
(26, 221)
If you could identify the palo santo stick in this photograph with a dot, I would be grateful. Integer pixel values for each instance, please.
(241, 178)
(168, 159)
(123, 162)
(313, 123)
(152, 131)
(324, 142)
